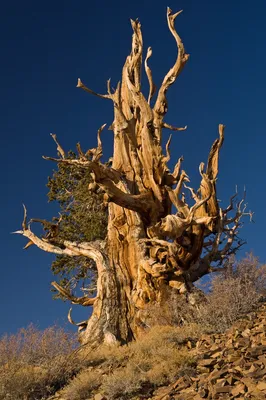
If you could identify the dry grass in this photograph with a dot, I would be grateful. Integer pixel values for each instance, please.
(135, 369)
(34, 364)
(82, 385)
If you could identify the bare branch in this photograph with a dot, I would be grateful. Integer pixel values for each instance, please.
(43, 244)
(24, 227)
(84, 300)
(173, 128)
(208, 182)
(81, 154)
(174, 194)
(81, 163)
(24, 222)
(139, 98)
(101, 171)
(98, 151)
(136, 54)
(226, 232)
(212, 165)
(167, 150)
(81, 325)
(177, 167)
(59, 148)
(108, 179)
(141, 203)
(30, 243)
(161, 102)
(109, 87)
(231, 204)
(63, 247)
(149, 75)
(194, 195)
(82, 86)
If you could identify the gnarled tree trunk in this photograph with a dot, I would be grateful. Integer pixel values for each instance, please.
(150, 251)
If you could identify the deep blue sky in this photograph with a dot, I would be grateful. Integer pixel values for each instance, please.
(46, 46)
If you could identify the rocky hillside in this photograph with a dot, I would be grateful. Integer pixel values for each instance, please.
(229, 366)
(168, 363)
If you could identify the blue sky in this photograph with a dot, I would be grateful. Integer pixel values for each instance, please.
(46, 46)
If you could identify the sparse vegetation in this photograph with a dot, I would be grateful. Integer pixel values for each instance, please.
(236, 291)
(141, 366)
(34, 364)
(82, 385)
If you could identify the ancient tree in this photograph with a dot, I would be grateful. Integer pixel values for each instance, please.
(162, 235)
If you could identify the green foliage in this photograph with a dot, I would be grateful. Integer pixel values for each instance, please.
(84, 219)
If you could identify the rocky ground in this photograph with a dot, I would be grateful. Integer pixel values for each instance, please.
(229, 366)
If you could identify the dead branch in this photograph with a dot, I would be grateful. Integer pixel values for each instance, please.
(149, 75)
(59, 148)
(194, 195)
(167, 150)
(173, 128)
(227, 231)
(136, 54)
(81, 154)
(177, 168)
(231, 204)
(174, 193)
(84, 300)
(212, 165)
(97, 152)
(24, 222)
(82, 86)
(62, 247)
(81, 325)
(109, 179)
(160, 107)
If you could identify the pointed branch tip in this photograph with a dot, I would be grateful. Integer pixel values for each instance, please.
(60, 150)
(169, 12)
(24, 223)
(79, 84)
(176, 14)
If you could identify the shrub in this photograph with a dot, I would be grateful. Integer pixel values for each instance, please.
(123, 383)
(82, 385)
(234, 293)
(34, 364)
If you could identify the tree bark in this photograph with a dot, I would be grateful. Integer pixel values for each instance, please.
(150, 253)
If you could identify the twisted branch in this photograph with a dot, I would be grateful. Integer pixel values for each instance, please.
(161, 103)
(149, 75)
(83, 301)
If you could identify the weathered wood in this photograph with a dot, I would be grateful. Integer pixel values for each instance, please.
(141, 193)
